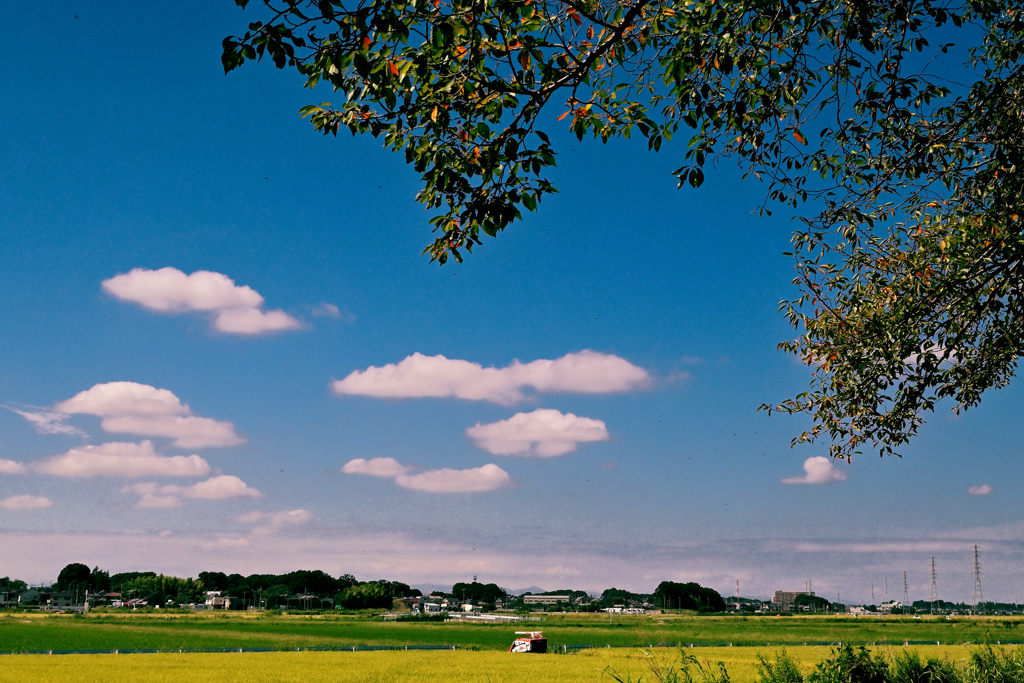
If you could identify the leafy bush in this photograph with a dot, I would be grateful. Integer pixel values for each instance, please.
(849, 665)
(783, 670)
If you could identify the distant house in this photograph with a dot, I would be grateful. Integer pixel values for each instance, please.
(546, 599)
(31, 596)
(62, 599)
(783, 600)
(214, 600)
(107, 599)
(432, 608)
(890, 606)
(411, 603)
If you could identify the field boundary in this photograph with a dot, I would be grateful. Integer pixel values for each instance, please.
(558, 649)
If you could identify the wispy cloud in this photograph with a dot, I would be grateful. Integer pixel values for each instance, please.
(216, 488)
(418, 376)
(45, 421)
(544, 432)
(982, 490)
(119, 459)
(25, 503)
(133, 408)
(819, 470)
(326, 310)
(237, 308)
(489, 477)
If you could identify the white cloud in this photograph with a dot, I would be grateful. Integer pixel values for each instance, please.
(49, 422)
(224, 486)
(133, 408)
(544, 432)
(819, 470)
(254, 321)
(169, 290)
(187, 431)
(215, 488)
(490, 477)
(11, 467)
(25, 503)
(123, 398)
(271, 522)
(478, 479)
(118, 459)
(982, 490)
(375, 467)
(420, 376)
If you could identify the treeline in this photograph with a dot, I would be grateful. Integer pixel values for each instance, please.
(316, 588)
(307, 588)
(672, 595)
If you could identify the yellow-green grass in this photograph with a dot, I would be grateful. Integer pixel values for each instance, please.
(449, 666)
(25, 631)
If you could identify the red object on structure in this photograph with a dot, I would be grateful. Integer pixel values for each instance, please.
(534, 641)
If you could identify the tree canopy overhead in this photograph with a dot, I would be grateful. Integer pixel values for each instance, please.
(908, 258)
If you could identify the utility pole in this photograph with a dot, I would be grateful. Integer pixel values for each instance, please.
(978, 597)
(906, 597)
(935, 590)
(872, 592)
(886, 579)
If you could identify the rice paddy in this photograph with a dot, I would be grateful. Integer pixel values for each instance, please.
(480, 655)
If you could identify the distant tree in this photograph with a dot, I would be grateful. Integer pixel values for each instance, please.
(814, 602)
(274, 595)
(14, 585)
(100, 580)
(74, 576)
(315, 582)
(479, 592)
(689, 596)
(118, 580)
(214, 581)
(364, 596)
(156, 599)
(616, 596)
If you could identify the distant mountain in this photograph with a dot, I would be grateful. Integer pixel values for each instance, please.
(428, 588)
(520, 591)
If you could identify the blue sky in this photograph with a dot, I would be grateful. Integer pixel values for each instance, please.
(125, 148)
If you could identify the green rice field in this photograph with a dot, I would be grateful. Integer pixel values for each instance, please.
(29, 631)
(480, 652)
